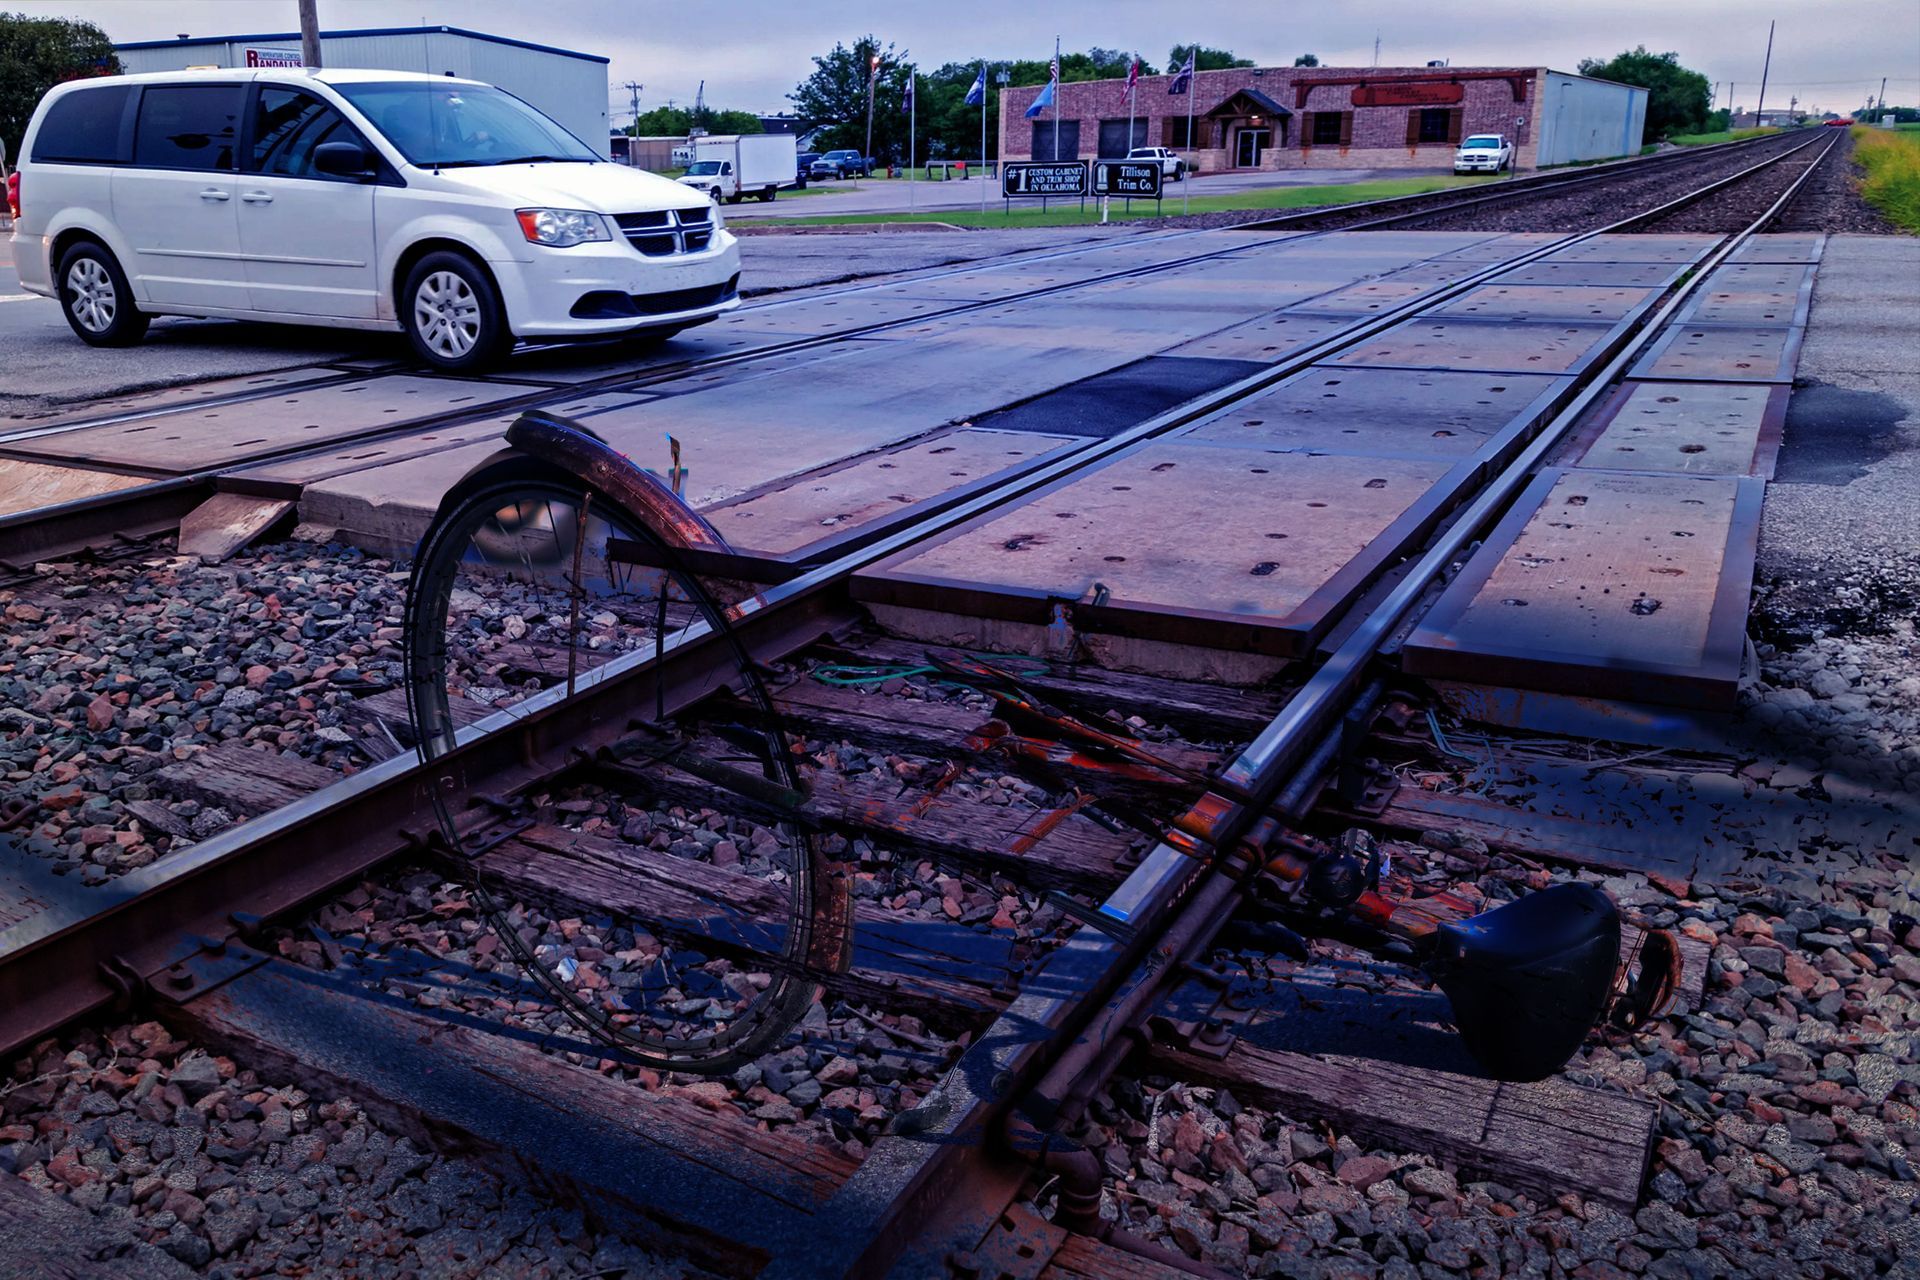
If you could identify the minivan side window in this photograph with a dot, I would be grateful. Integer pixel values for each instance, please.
(83, 127)
(188, 127)
(287, 128)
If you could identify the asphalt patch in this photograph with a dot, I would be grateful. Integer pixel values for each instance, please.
(1109, 403)
(1834, 435)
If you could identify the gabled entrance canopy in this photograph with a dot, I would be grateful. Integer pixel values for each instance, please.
(1246, 103)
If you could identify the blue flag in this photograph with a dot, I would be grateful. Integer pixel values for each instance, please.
(1182, 77)
(1042, 102)
(978, 94)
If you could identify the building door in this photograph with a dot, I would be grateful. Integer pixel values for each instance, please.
(1252, 142)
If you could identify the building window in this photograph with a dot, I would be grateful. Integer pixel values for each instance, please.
(1115, 141)
(1173, 132)
(1433, 124)
(1330, 129)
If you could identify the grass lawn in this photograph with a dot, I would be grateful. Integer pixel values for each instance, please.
(1068, 213)
(1708, 139)
(1891, 158)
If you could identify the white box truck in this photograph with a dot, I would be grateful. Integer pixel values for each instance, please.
(750, 164)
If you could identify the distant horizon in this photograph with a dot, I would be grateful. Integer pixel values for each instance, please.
(1831, 59)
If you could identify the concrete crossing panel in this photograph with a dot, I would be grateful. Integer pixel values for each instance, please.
(1605, 584)
(1722, 353)
(1481, 346)
(1700, 428)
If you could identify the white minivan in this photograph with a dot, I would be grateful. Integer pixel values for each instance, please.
(446, 208)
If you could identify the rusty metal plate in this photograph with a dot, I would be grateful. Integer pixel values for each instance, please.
(1796, 246)
(1391, 413)
(1764, 295)
(1723, 353)
(1269, 339)
(1286, 539)
(1654, 275)
(1700, 428)
(1589, 303)
(202, 438)
(1482, 346)
(822, 512)
(1638, 248)
(1605, 584)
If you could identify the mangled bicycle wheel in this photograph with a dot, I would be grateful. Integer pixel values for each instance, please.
(694, 940)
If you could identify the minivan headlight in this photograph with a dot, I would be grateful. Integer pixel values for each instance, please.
(561, 228)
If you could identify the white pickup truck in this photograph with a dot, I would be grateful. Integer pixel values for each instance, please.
(1171, 165)
(749, 164)
(1483, 153)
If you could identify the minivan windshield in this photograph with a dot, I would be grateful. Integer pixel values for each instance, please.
(448, 125)
(703, 168)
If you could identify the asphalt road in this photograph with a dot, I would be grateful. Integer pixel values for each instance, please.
(45, 366)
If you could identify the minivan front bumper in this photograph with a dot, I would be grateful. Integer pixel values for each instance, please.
(602, 288)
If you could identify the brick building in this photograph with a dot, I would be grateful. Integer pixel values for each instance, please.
(1334, 117)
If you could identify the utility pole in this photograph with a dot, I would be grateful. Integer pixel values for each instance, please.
(1764, 68)
(633, 88)
(1881, 101)
(309, 35)
(1376, 48)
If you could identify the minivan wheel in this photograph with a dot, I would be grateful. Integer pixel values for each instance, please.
(453, 315)
(96, 298)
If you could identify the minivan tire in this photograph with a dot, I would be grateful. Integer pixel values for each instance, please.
(453, 315)
(96, 298)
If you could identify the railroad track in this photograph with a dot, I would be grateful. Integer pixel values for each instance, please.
(165, 498)
(935, 1191)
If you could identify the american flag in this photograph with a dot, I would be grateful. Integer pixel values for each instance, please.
(1133, 74)
(1053, 69)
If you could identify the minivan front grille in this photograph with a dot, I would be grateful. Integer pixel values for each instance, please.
(663, 234)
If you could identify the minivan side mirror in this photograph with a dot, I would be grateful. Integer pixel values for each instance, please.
(343, 160)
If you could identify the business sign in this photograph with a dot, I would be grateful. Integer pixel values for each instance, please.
(1408, 95)
(1135, 178)
(1044, 178)
(273, 58)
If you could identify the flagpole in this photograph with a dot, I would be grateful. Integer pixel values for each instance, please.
(913, 114)
(983, 136)
(1193, 91)
(1133, 92)
(1056, 98)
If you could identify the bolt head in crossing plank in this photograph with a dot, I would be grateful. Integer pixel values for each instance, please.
(1606, 584)
(1757, 294)
(1700, 428)
(1217, 548)
(1723, 353)
(1481, 346)
(1392, 413)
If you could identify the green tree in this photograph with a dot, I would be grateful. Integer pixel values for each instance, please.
(1306, 60)
(674, 122)
(1678, 100)
(834, 97)
(38, 53)
(1205, 59)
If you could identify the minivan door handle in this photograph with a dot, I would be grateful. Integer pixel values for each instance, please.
(257, 197)
(215, 193)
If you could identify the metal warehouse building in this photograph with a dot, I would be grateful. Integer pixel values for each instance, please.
(571, 87)
(1334, 117)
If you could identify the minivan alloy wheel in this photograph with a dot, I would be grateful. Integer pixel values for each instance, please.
(446, 314)
(95, 301)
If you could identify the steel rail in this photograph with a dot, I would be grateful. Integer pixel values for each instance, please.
(908, 1205)
(55, 967)
(60, 966)
(61, 526)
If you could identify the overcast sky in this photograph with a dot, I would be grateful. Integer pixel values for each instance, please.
(1830, 54)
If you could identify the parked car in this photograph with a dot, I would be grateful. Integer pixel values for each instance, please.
(1171, 165)
(444, 208)
(1483, 153)
(849, 164)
